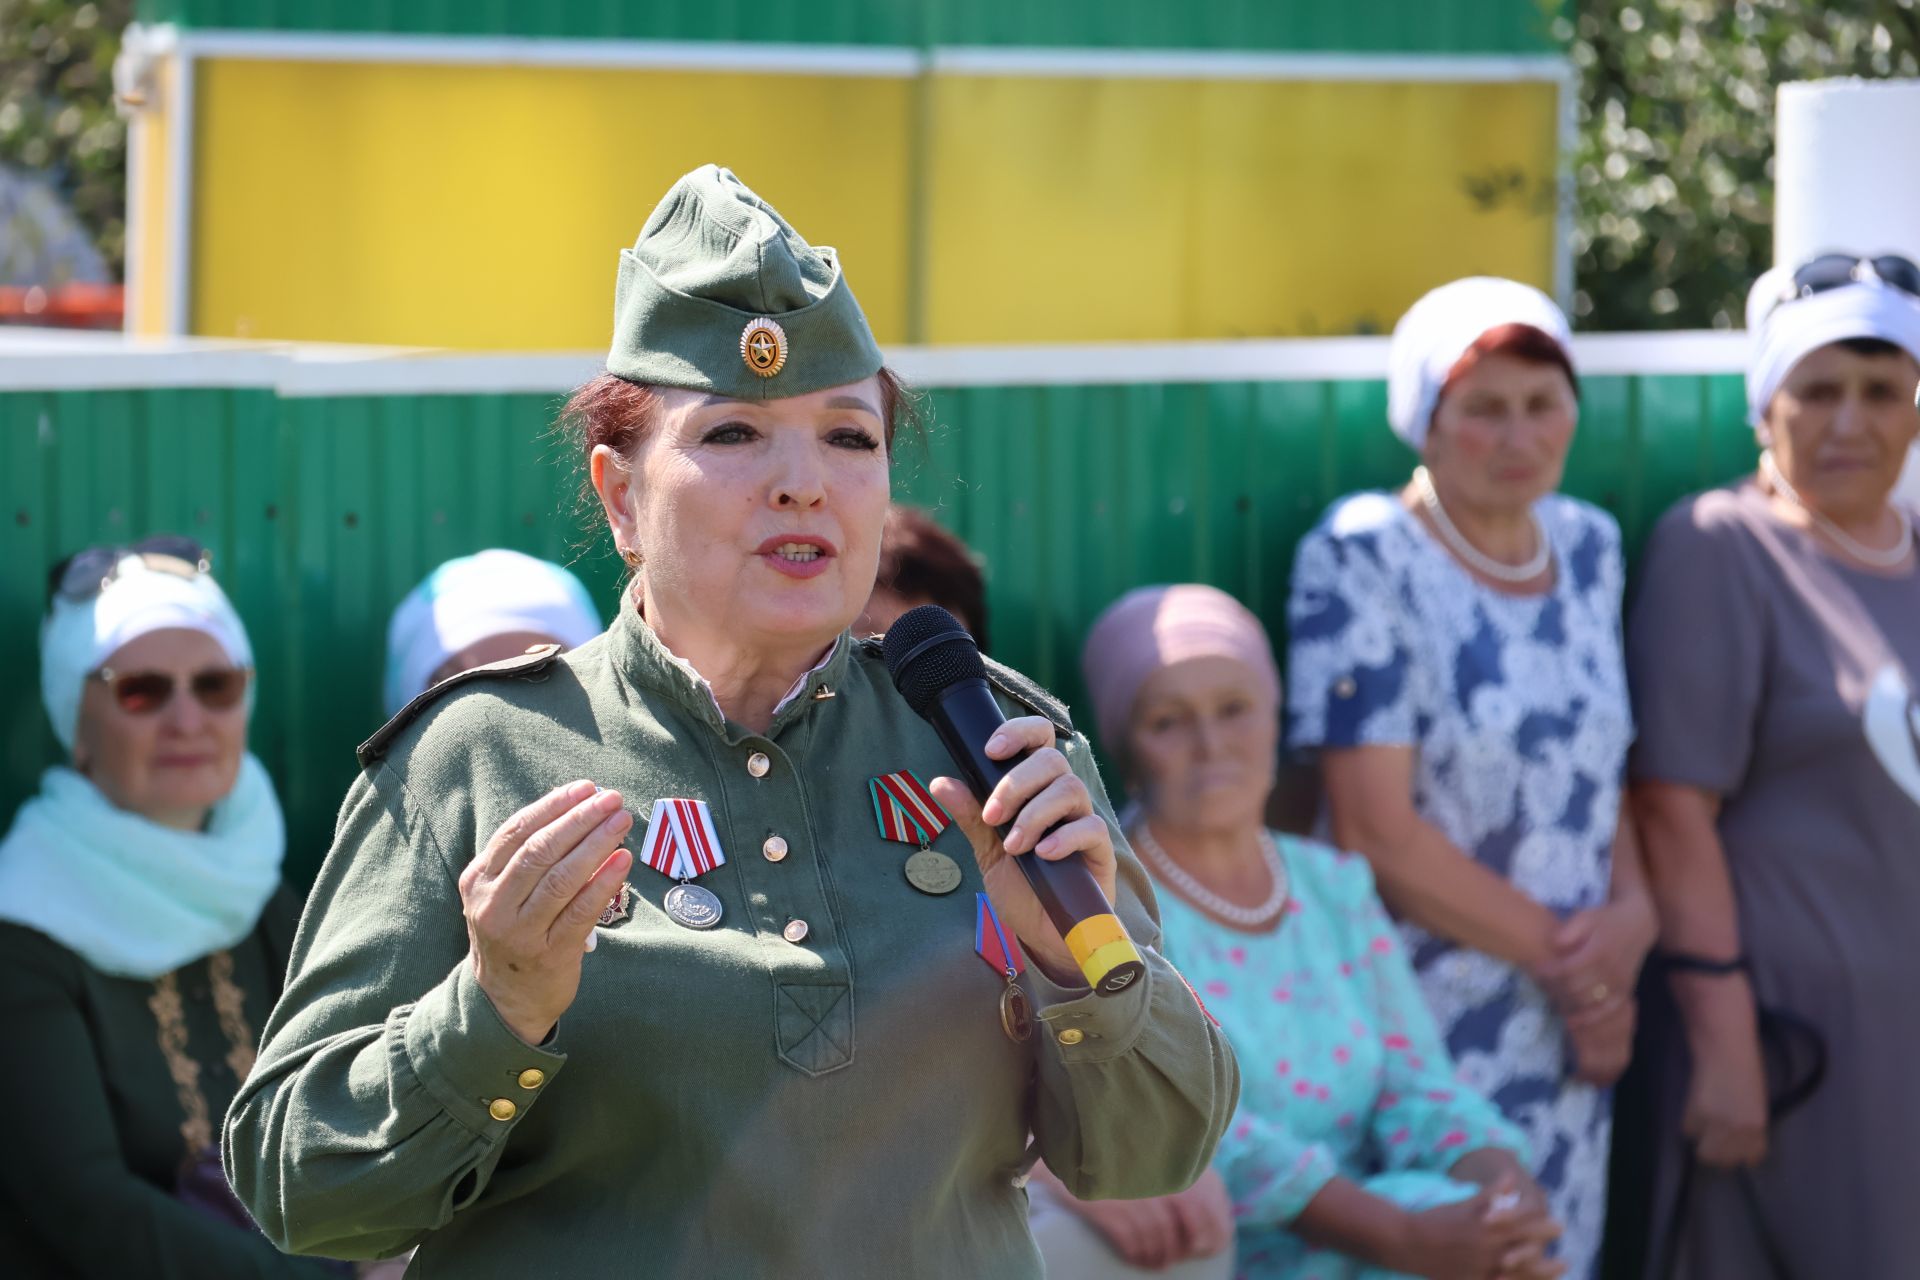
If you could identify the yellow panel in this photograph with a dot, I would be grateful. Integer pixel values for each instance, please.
(1154, 209)
(485, 207)
(149, 248)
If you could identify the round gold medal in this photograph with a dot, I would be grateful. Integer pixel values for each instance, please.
(933, 872)
(763, 345)
(1016, 1014)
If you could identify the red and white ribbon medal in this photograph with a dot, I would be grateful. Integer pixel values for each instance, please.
(1002, 954)
(681, 843)
(907, 813)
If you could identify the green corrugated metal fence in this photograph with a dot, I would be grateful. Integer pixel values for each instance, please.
(323, 511)
(1381, 26)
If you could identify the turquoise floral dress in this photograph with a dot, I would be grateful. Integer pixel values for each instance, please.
(1342, 1070)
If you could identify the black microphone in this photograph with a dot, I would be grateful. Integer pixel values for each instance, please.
(937, 668)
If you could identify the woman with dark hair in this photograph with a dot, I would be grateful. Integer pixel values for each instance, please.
(921, 563)
(1456, 668)
(1774, 648)
(676, 952)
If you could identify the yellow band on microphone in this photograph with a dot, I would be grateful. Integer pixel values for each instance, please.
(1101, 964)
(1094, 933)
(1100, 945)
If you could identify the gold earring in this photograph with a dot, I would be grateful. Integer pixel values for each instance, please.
(631, 556)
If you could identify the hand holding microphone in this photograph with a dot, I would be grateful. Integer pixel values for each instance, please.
(1046, 856)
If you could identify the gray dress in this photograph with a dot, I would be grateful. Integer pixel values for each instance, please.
(1781, 679)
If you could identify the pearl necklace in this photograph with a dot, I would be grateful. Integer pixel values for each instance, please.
(1888, 558)
(1244, 917)
(1474, 556)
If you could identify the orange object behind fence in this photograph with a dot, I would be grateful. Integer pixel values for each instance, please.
(67, 306)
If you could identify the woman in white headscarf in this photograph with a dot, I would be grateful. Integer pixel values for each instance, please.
(144, 931)
(482, 608)
(1774, 648)
(1456, 669)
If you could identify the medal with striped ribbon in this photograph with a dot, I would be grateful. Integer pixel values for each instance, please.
(681, 843)
(1002, 954)
(907, 813)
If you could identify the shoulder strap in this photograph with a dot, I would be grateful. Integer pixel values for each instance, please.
(1007, 681)
(1030, 695)
(532, 663)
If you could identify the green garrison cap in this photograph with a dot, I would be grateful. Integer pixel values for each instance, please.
(719, 294)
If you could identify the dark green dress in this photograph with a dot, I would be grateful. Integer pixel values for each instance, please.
(118, 1084)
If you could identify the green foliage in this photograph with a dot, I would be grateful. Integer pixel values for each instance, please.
(57, 118)
(1673, 170)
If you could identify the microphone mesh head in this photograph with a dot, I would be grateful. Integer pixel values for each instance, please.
(926, 651)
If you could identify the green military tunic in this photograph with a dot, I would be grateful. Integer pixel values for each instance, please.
(725, 1103)
(123, 1085)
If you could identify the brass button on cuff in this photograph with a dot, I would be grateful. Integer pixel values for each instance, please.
(502, 1109)
(532, 1078)
(1071, 1036)
(796, 931)
(775, 849)
(758, 764)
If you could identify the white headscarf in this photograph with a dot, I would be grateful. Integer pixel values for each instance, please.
(1785, 333)
(131, 897)
(78, 636)
(466, 600)
(1438, 329)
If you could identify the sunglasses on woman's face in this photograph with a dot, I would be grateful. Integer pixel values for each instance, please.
(1837, 270)
(142, 693)
(86, 574)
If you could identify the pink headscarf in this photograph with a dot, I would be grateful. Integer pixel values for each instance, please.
(1154, 627)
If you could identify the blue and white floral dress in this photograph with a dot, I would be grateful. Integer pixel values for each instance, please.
(1517, 709)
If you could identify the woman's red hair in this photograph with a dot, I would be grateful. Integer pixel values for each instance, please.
(610, 410)
(1522, 342)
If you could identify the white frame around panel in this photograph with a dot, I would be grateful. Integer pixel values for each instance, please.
(34, 361)
(180, 165)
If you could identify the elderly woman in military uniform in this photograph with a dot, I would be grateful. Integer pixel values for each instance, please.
(776, 1037)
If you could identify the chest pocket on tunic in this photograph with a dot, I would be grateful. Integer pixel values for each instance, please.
(813, 1025)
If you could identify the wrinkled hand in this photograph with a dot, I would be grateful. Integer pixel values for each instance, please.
(1726, 1109)
(1205, 1214)
(1164, 1230)
(1597, 954)
(1481, 1239)
(1501, 1170)
(532, 897)
(1040, 791)
(1602, 1036)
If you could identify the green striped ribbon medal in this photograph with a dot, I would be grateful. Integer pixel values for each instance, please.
(907, 813)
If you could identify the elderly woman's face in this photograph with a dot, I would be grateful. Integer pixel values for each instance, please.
(1500, 434)
(1840, 425)
(172, 764)
(760, 521)
(1202, 744)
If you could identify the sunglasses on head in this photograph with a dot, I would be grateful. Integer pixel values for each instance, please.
(141, 693)
(1838, 270)
(85, 574)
